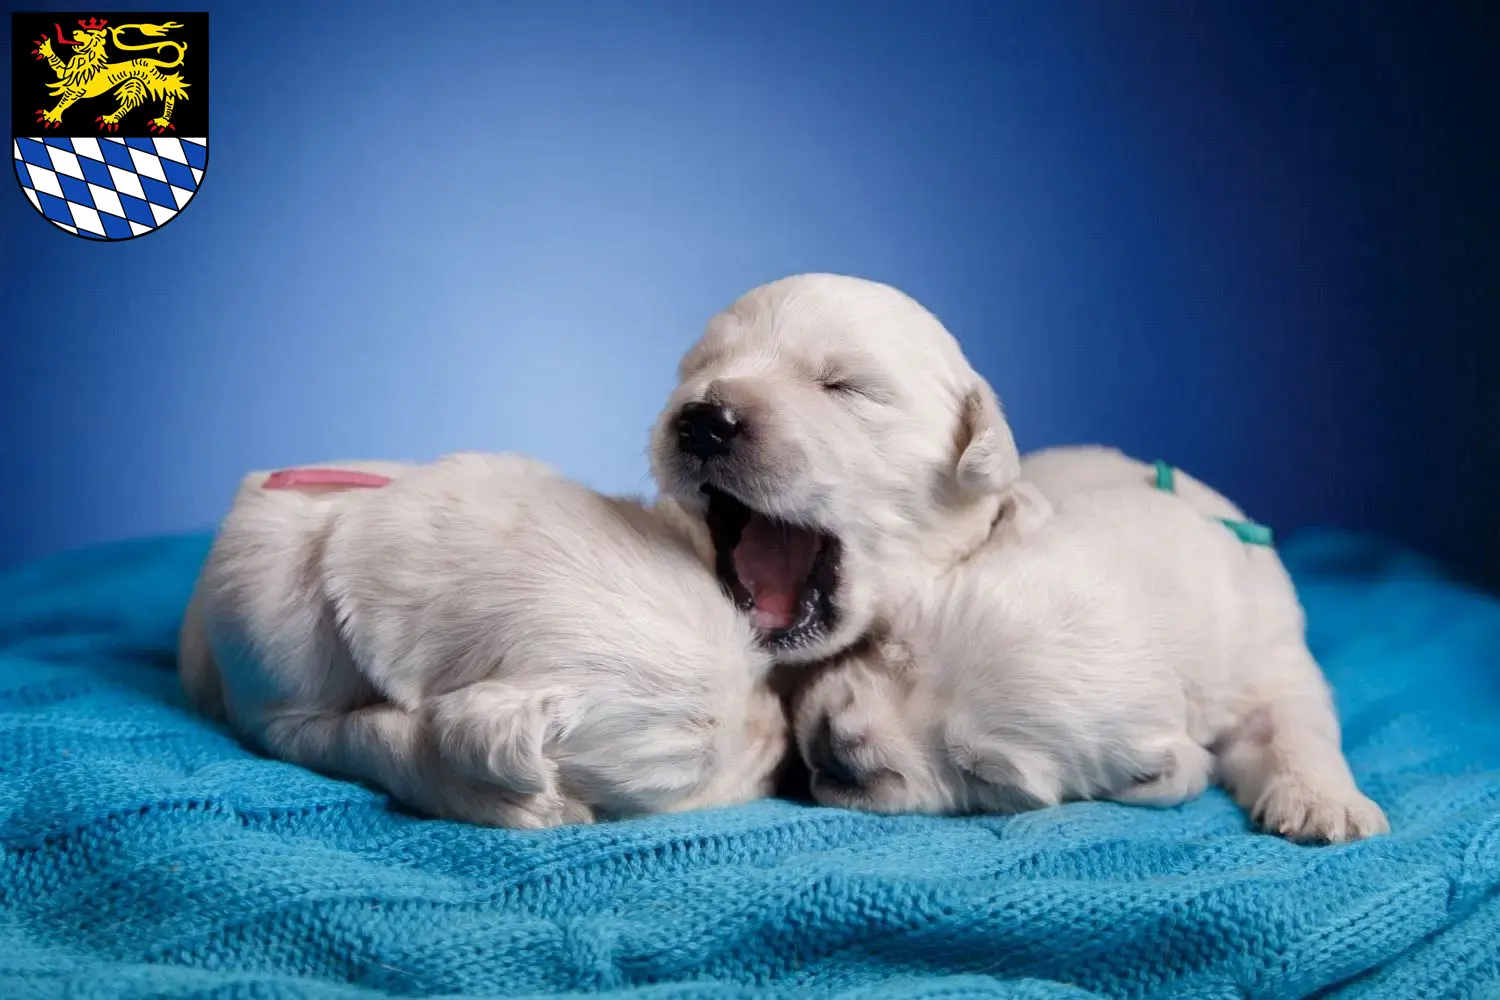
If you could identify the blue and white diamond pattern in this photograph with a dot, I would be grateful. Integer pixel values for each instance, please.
(108, 188)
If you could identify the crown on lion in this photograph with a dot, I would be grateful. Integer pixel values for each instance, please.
(92, 24)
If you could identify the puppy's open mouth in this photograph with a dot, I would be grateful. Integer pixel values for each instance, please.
(782, 575)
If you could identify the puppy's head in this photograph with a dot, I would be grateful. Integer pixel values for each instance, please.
(835, 441)
(859, 728)
(880, 729)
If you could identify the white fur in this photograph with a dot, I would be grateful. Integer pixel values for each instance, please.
(863, 420)
(485, 640)
(1111, 640)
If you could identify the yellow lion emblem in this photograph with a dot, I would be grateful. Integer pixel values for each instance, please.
(89, 73)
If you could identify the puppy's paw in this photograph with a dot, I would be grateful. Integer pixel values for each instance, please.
(1298, 812)
(543, 812)
(485, 805)
(487, 753)
(1183, 773)
(493, 735)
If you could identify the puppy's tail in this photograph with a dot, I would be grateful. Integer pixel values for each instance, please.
(196, 667)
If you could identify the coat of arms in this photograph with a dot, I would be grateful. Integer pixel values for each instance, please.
(109, 118)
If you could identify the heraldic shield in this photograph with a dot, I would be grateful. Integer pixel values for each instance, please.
(109, 118)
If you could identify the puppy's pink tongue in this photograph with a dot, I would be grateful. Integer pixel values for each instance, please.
(773, 561)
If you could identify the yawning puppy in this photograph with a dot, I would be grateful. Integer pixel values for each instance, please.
(483, 639)
(836, 445)
(1126, 644)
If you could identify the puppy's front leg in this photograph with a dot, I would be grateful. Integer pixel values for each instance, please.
(1284, 764)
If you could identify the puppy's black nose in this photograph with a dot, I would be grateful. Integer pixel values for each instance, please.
(706, 429)
(825, 760)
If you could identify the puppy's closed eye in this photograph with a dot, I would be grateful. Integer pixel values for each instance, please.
(842, 383)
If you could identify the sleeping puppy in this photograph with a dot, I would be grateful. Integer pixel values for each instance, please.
(1123, 644)
(483, 639)
(835, 445)
(839, 452)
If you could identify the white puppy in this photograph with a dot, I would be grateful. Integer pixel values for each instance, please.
(485, 640)
(1126, 645)
(836, 445)
(842, 455)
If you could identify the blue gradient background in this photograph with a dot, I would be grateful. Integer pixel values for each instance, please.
(1256, 239)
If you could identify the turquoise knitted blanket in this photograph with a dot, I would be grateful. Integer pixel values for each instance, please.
(145, 854)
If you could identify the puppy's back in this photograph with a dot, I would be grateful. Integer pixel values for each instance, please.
(258, 606)
(451, 568)
(1068, 470)
(1094, 630)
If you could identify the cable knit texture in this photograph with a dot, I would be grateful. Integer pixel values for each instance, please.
(146, 854)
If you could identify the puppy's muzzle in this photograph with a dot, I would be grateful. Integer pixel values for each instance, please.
(707, 430)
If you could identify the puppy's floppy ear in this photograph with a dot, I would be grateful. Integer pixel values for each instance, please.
(1023, 509)
(987, 458)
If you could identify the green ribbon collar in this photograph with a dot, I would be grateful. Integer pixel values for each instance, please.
(1246, 531)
